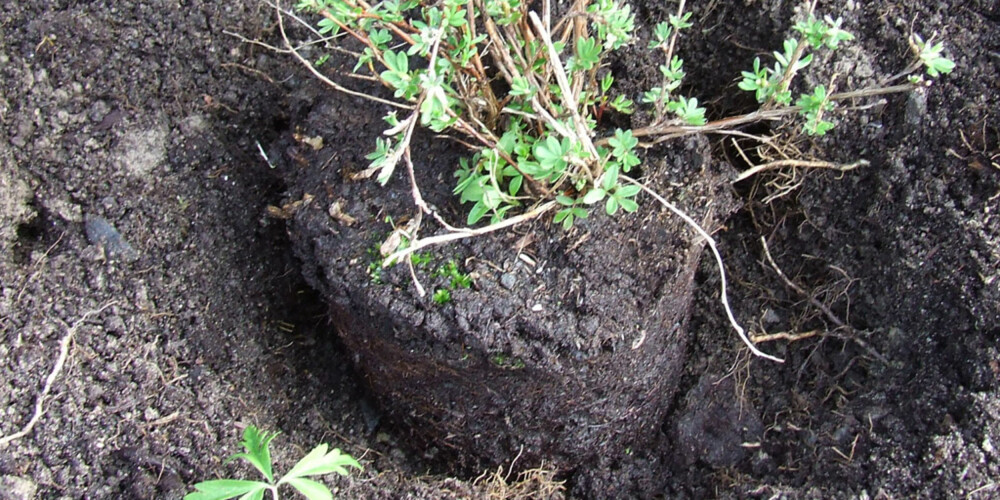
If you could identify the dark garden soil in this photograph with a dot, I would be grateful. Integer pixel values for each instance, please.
(134, 218)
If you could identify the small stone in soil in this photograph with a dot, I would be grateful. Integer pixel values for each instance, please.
(508, 281)
(101, 232)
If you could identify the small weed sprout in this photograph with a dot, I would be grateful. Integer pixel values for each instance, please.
(455, 279)
(536, 145)
(441, 296)
(930, 56)
(256, 444)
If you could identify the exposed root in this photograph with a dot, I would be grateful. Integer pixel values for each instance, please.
(798, 164)
(723, 296)
(533, 484)
(853, 334)
(56, 370)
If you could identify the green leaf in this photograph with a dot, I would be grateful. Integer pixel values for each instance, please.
(520, 86)
(622, 105)
(835, 35)
(223, 489)
(611, 206)
(566, 217)
(319, 461)
(254, 495)
(623, 143)
(478, 211)
(258, 453)
(606, 83)
(757, 81)
(551, 154)
(661, 35)
(515, 185)
(594, 195)
(384, 159)
(813, 105)
(328, 26)
(565, 201)
(313, 490)
(628, 191)
(588, 55)
(398, 62)
(688, 110)
(930, 56)
(610, 177)
(628, 205)
(681, 22)
(380, 38)
(652, 95)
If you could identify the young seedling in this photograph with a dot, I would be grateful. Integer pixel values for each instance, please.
(256, 444)
(930, 56)
(441, 296)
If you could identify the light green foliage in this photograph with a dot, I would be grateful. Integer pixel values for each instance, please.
(420, 259)
(930, 56)
(664, 38)
(618, 196)
(813, 106)
(588, 55)
(522, 152)
(441, 296)
(256, 444)
(825, 33)
(681, 22)
(624, 144)
(772, 86)
(455, 279)
(448, 63)
(570, 212)
(688, 110)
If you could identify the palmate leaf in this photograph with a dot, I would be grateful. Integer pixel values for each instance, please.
(314, 490)
(319, 462)
(258, 453)
(223, 489)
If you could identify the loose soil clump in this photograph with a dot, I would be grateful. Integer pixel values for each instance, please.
(567, 346)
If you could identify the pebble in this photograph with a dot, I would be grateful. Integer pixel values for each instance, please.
(508, 281)
(101, 232)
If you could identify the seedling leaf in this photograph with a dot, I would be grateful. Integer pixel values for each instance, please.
(313, 490)
(224, 489)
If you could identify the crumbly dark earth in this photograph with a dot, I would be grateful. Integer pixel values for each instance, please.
(133, 215)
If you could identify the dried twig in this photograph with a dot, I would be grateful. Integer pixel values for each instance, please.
(466, 233)
(790, 337)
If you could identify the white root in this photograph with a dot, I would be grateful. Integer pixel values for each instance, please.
(724, 297)
(56, 370)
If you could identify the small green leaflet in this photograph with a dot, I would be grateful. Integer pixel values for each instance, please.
(257, 445)
(223, 489)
